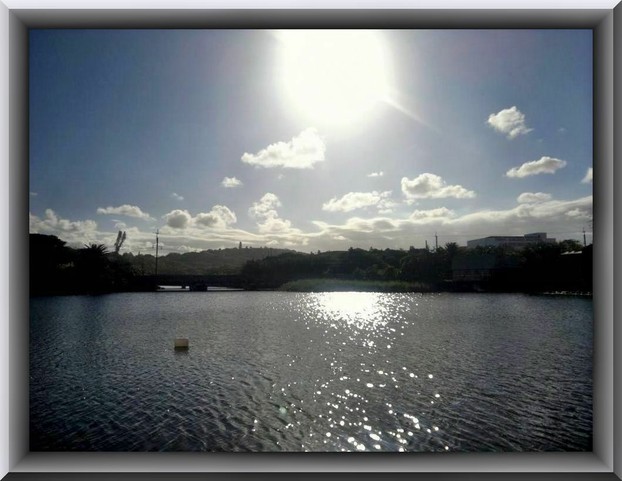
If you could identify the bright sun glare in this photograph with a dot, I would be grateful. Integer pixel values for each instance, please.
(364, 310)
(334, 76)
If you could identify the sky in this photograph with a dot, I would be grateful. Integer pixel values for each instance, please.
(309, 140)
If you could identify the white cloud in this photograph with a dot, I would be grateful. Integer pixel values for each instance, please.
(386, 206)
(268, 219)
(75, 233)
(196, 236)
(588, 176)
(188, 236)
(531, 197)
(546, 165)
(301, 152)
(272, 225)
(510, 122)
(177, 196)
(51, 224)
(231, 182)
(33, 194)
(376, 174)
(355, 200)
(432, 214)
(125, 209)
(265, 207)
(120, 225)
(220, 216)
(430, 186)
(78, 233)
(581, 214)
(178, 219)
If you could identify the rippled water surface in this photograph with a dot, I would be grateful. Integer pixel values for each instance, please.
(270, 371)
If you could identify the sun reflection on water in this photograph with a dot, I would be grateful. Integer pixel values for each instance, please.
(361, 310)
(348, 405)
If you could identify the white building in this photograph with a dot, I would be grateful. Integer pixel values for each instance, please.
(517, 242)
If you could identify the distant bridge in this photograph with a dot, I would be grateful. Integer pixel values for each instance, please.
(194, 282)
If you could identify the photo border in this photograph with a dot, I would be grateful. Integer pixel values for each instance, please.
(16, 460)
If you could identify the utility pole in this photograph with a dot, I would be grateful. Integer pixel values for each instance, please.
(426, 246)
(156, 259)
(584, 242)
(436, 241)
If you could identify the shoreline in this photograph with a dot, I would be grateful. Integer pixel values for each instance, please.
(343, 285)
(340, 285)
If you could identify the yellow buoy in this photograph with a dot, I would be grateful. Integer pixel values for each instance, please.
(181, 343)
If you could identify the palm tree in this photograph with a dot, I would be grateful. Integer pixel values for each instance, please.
(93, 268)
(100, 249)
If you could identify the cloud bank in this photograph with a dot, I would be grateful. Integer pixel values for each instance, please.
(553, 216)
(531, 197)
(184, 232)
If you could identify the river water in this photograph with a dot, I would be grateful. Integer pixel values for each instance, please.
(276, 371)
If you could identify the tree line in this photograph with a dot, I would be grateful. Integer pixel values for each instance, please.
(56, 268)
(536, 268)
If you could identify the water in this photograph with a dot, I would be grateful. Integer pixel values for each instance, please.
(271, 371)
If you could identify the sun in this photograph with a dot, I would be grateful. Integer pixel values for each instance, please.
(334, 76)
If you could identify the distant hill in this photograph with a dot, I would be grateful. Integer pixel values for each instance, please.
(213, 261)
(57, 269)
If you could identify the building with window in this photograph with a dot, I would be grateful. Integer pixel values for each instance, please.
(517, 242)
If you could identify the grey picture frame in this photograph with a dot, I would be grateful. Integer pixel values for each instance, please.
(605, 462)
